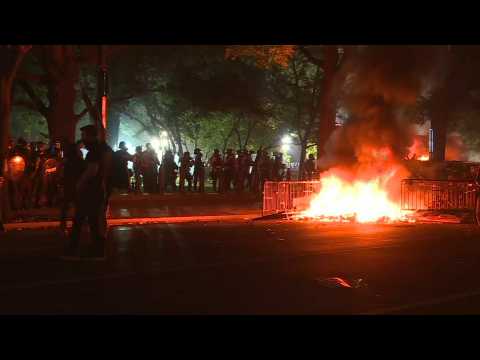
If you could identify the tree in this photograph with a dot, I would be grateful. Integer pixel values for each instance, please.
(295, 100)
(11, 57)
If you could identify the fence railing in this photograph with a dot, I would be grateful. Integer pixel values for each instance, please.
(419, 194)
(289, 197)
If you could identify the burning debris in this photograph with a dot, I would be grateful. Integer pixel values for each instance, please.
(363, 159)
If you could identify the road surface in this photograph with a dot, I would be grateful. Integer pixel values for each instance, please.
(248, 267)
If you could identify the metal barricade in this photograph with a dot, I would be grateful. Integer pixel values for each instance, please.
(289, 197)
(419, 194)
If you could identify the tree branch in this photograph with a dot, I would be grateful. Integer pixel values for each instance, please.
(39, 105)
(82, 114)
(309, 56)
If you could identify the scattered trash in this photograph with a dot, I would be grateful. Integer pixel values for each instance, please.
(360, 284)
(337, 282)
(334, 282)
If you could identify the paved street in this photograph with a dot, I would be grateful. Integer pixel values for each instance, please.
(248, 268)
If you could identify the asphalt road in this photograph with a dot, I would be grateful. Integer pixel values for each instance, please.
(259, 267)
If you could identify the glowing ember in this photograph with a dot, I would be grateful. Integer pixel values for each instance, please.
(362, 201)
(424, 158)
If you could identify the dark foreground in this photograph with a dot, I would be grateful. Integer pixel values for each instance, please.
(248, 268)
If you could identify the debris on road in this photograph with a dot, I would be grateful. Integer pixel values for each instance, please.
(334, 282)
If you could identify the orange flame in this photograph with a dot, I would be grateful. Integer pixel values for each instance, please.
(418, 151)
(368, 192)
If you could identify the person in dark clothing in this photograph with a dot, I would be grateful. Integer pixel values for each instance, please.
(150, 169)
(310, 167)
(198, 171)
(169, 168)
(185, 164)
(71, 168)
(229, 169)
(91, 197)
(138, 168)
(216, 164)
(120, 165)
(38, 174)
(278, 167)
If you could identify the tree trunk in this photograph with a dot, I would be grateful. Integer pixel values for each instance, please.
(303, 154)
(5, 117)
(439, 122)
(61, 118)
(10, 60)
(328, 109)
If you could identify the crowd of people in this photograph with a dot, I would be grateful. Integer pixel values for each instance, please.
(240, 171)
(40, 174)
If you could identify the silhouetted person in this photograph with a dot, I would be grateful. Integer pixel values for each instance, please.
(198, 171)
(150, 170)
(70, 171)
(169, 167)
(309, 167)
(228, 170)
(120, 165)
(185, 164)
(216, 164)
(91, 195)
(138, 168)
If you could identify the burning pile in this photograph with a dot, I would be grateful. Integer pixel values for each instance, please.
(364, 157)
(358, 201)
(363, 193)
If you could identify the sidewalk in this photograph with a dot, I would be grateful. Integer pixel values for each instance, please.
(141, 209)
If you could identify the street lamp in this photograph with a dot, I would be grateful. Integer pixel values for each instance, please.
(286, 142)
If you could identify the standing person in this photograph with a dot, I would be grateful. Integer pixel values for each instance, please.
(216, 164)
(38, 175)
(138, 168)
(249, 168)
(198, 171)
(228, 169)
(256, 172)
(91, 196)
(239, 179)
(71, 169)
(170, 170)
(309, 167)
(150, 171)
(120, 167)
(185, 164)
(278, 167)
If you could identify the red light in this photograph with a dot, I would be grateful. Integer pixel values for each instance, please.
(104, 111)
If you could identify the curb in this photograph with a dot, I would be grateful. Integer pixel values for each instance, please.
(136, 221)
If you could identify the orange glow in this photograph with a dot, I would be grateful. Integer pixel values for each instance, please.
(367, 192)
(363, 201)
(418, 151)
(104, 112)
(17, 159)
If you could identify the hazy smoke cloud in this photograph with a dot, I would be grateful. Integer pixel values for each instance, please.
(381, 92)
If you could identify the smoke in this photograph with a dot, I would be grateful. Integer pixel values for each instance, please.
(383, 86)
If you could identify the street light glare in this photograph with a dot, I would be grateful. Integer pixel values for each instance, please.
(286, 140)
(155, 143)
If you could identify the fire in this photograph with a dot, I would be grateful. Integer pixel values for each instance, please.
(360, 200)
(364, 194)
(418, 151)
